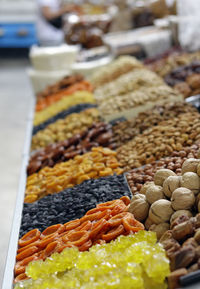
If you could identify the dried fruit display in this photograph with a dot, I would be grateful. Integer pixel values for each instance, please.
(63, 114)
(65, 128)
(99, 134)
(72, 203)
(105, 266)
(65, 103)
(56, 96)
(160, 141)
(186, 79)
(100, 162)
(98, 226)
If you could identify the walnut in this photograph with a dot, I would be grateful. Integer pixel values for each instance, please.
(139, 207)
(159, 229)
(198, 206)
(145, 187)
(161, 211)
(171, 184)
(154, 193)
(148, 223)
(161, 175)
(182, 199)
(180, 213)
(190, 165)
(191, 181)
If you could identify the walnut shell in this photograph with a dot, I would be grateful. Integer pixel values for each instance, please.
(198, 207)
(180, 213)
(148, 223)
(171, 184)
(191, 181)
(139, 207)
(198, 169)
(161, 211)
(145, 187)
(159, 229)
(154, 193)
(182, 199)
(161, 175)
(190, 165)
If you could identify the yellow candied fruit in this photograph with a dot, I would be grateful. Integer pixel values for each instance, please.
(134, 261)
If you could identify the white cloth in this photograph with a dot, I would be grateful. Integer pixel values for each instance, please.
(48, 35)
(189, 32)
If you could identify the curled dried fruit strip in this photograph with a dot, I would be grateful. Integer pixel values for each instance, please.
(98, 227)
(117, 219)
(78, 238)
(126, 200)
(59, 228)
(29, 237)
(21, 265)
(21, 277)
(26, 253)
(50, 249)
(85, 226)
(72, 224)
(113, 234)
(131, 224)
(47, 240)
(36, 243)
(85, 246)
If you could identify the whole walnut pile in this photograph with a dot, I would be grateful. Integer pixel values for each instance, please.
(160, 141)
(99, 134)
(137, 177)
(186, 79)
(127, 130)
(60, 85)
(182, 245)
(169, 196)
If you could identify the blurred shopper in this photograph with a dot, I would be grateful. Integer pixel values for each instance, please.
(49, 22)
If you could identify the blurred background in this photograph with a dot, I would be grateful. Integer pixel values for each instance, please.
(64, 37)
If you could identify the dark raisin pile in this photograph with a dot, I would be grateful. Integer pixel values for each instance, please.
(74, 109)
(72, 203)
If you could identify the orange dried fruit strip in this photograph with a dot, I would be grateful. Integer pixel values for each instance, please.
(78, 238)
(131, 224)
(113, 234)
(26, 253)
(59, 228)
(98, 227)
(85, 246)
(21, 265)
(47, 240)
(126, 200)
(72, 224)
(21, 277)
(29, 237)
(117, 219)
(36, 243)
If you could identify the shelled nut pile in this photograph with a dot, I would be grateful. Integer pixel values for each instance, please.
(65, 128)
(100, 162)
(112, 71)
(99, 134)
(185, 79)
(147, 96)
(160, 141)
(127, 130)
(137, 177)
(65, 103)
(128, 83)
